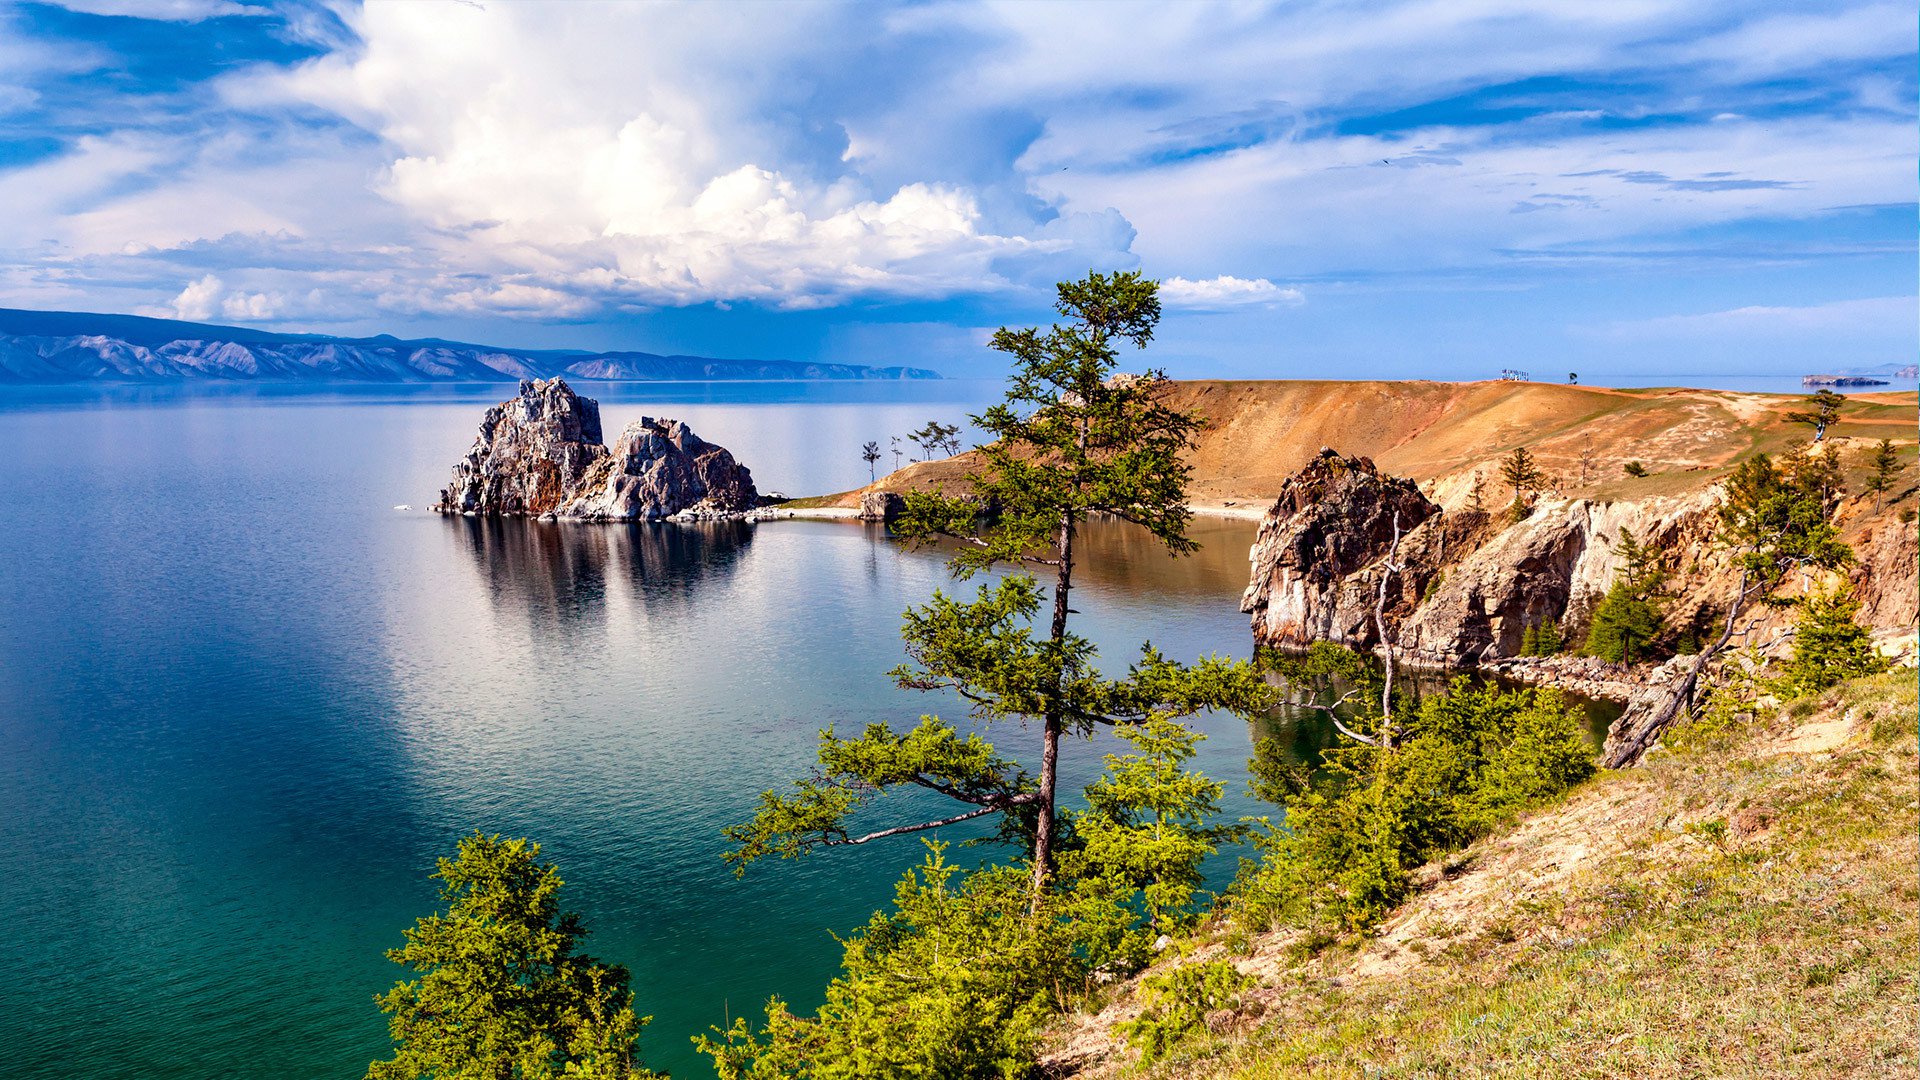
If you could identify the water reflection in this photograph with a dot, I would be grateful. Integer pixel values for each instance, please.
(559, 571)
(1113, 555)
(1301, 734)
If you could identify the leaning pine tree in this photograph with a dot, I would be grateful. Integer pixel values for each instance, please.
(1073, 439)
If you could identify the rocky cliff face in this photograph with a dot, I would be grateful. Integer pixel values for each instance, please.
(1333, 519)
(540, 455)
(660, 468)
(1471, 586)
(530, 454)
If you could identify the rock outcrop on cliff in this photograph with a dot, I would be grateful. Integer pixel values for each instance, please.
(1332, 519)
(540, 455)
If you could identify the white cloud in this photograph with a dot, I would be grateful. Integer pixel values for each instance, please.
(558, 160)
(1225, 292)
(1866, 315)
(163, 10)
(196, 302)
(208, 298)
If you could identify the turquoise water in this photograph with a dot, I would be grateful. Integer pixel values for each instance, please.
(245, 703)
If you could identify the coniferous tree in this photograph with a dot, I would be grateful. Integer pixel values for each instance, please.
(1476, 495)
(870, 453)
(502, 990)
(1523, 476)
(1822, 410)
(1829, 644)
(1885, 463)
(1071, 440)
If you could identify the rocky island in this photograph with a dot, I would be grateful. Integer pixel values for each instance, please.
(540, 455)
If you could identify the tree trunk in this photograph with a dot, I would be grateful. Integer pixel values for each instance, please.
(1634, 740)
(1050, 748)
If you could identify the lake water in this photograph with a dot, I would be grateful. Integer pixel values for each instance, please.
(245, 704)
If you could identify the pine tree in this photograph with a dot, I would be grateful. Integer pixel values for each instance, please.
(1523, 476)
(1885, 463)
(870, 453)
(1822, 410)
(1476, 495)
(502, 991)
(1547, 642)
(1623, 626)
(1072, 439)
(1829, 644)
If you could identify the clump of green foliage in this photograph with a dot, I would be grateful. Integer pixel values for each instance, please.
(1627, 620)
(1884, 460)
(1176, 1004)
(956, 978)
(1524, 477)
(954, 981)
(1634, 469)
(502, 991)
(1457, 765)
(1542, 640)
(1829, 645)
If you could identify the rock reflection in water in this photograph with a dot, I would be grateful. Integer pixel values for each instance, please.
(560, 571)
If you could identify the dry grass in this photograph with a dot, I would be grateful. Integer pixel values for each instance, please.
(1261, 432)
(1748, 910)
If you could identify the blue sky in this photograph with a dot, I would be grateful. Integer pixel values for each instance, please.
(1384, 189)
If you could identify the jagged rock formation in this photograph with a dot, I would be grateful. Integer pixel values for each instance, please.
(530, 454)
(882, 506)
(1470, 585)
(539, 455)
(1332, 518)
(660, 468)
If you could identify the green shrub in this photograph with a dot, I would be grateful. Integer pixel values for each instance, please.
(1177, 1004)
(1463, 762)
(1623, 626)
(1829, 645)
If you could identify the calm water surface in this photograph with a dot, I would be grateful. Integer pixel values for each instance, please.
(245, 704)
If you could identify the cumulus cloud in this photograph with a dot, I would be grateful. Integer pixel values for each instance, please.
(1226, 292)
(564, 160)
(209, 298)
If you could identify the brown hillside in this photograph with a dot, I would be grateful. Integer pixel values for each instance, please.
(1438, 433)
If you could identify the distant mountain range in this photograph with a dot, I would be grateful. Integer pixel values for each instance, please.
(72, 346)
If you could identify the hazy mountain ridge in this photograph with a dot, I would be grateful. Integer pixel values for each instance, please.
(65, 346)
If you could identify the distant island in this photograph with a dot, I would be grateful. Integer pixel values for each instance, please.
(72, 346)
(1857, 377)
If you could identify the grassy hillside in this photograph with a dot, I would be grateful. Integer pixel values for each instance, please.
(1438, 433)
(1745, 910)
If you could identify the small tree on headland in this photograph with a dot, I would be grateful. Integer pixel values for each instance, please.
(1885, 463)
(1822, 410)
(937, 439)
(501, 990)
(1477, 494)
(894, 440)
(870, 453)
(1072, 439)
(1523, 476)
(1773, 527)
(1634, 469)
